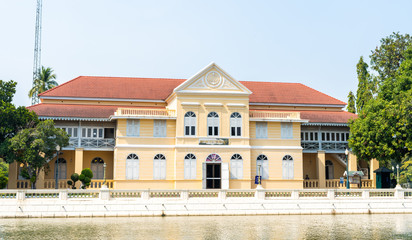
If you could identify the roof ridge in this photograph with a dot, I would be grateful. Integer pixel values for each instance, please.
(134, 77)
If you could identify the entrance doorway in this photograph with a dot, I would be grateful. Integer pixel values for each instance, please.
(329, 169)
(213, 175)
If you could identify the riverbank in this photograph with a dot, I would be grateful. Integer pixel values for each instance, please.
(137, 203)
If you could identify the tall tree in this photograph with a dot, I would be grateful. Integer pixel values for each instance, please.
(12, 119)
(384, 127)
(35, 147)
(45, 82)
(387, 57)
(351, 103)
(365, 86)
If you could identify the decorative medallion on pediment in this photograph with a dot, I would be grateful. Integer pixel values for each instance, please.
(213, 79)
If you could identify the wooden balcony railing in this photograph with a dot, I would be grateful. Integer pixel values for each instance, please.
(145, 113)
(267, 115)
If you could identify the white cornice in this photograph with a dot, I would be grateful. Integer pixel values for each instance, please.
(213, 104)
(190, 104)
(236, 105)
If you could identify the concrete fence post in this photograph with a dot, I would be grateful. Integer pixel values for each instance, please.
(260, 194)
(222, 194)
(365, 194)
(295, 194)
(104, 194)
(20, 195)
(145, 195)
(331, 194)
(399, 194)
(63, 195)
(184, 194)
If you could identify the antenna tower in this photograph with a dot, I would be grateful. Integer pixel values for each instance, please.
(37, 51)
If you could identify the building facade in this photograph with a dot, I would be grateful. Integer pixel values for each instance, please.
(206, 132)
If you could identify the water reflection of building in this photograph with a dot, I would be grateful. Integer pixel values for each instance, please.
(208, 131)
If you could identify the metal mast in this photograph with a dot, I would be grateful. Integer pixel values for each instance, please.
(37, 51)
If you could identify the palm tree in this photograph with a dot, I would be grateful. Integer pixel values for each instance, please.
(44, 82)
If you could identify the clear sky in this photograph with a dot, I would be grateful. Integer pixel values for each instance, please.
(317, 43)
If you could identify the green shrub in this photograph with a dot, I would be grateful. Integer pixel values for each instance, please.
(86, 177)
(3, 181)
(87, 172)
(75, 177)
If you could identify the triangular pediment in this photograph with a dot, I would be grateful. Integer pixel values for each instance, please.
(212, 79)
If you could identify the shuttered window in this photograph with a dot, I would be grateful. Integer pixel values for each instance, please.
(133, 127)
(286, 130)
(190, 166)
(190, 124)
(213, 124)
(287, 167)
(159, 167)
(132, 166)
(97, 167)
(262, 163)
(261, 130)
(159, 128)
(235, 124)
(236, 167)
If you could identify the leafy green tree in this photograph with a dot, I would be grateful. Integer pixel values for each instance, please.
(387, 58)
(45, 82)
(365, 86)
(12, 119)
(351, 103)
(4, 170)
(35, 147)
(86, 177)
(384, 127)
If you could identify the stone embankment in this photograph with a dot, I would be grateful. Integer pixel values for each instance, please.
(116, 203)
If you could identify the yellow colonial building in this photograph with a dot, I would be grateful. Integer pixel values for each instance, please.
(206, 132)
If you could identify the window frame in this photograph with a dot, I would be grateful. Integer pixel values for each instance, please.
(236, 166)
(133, 127)
(190, 162)
(288, 167)
(131, 159)
(159, 167)
(213, 123)
(235, 124)
(262, 127)
(162, 125)
(286, 130)
(189, 124)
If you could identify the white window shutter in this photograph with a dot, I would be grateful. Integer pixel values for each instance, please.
(128, 169)
(285, 169)
(204, 175)
(240, 169)
(163, 169)
(164, 127)
(193, 168)
(290, 175)
(265, 167)
(156, 169)
(233, 169)
(187, 168)
(225, 175)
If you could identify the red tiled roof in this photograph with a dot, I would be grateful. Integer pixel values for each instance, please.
(161, 88)
(327, 116)
(75, 110)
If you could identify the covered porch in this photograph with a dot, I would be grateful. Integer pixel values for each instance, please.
(324, 170)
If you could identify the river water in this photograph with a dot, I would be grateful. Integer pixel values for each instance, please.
(378, 226)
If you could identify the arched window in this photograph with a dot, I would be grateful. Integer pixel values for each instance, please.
(213, 158)
(61, 170)
(132, 166)
(235, 124)
(329, 169)
(262, 163)
(287, 167)
(213, 124)
(236, 167)
(97, 168)
(190, 166)
(190, 124)
(159, 167)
